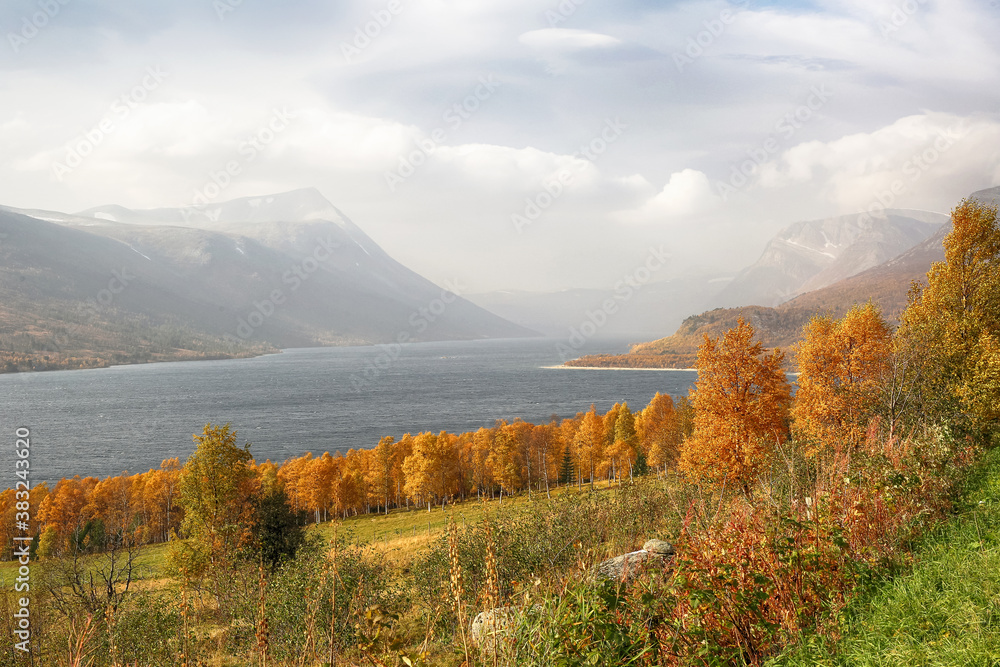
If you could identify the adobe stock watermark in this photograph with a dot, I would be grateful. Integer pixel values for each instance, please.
(81, 147)
(33, 24)
(249, 149)
(912, 169)
(223, 8)
(554, 186)
(562, 12)
(899, 16)
(386, 354)
(454, 116)
(292, 278)
(624, 290)
(365, 34)
(785, 128)
(22, 541)
(698, 43)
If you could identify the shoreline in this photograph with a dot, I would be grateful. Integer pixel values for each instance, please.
(144, 362)
(614, 368)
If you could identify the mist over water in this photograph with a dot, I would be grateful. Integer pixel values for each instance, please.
(104, 421)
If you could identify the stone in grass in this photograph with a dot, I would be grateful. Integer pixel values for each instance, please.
(490, 623)
(499, 623)
(659, 548)
(622, 568)
(626, 568)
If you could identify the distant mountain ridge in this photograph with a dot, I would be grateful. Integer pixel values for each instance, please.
(886, 284)
(812, 254)
(283, 270)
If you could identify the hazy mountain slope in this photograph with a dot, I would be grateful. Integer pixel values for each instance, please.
(887, 284)
(71, 299)
(781, 326)
(988, 196)
(813, 254)
(340, 285)
(305, 280)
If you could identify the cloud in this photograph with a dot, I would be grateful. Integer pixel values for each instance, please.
(686, 193)
(565, 39)
(562, 48)
(923, 161)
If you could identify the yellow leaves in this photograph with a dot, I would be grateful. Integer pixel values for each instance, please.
(217, 486)
(953, 322)
(659, 430)
(981, 388)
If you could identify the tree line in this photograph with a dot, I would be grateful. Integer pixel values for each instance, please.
(416, 471)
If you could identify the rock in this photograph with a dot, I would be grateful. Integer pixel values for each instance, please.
(622, 568)
(659, 548)
(627, 567)
(492, 622)
(499, 622)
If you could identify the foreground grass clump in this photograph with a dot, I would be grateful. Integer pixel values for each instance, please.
(946, 611)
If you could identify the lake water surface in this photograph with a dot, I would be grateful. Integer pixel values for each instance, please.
(104, 421)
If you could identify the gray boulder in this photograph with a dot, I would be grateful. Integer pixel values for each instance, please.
(627, 567)
(492, 623)
(496, 623)
(659, 548)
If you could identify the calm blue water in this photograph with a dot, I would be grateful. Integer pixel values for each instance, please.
(105, 421)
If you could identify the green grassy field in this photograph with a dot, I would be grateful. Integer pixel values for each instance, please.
(946, 611)
(400, 524)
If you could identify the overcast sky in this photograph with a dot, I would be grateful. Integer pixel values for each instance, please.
(439, 126)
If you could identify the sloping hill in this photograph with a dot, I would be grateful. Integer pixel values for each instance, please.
(886, 284)
(298, 273)
(809, 255)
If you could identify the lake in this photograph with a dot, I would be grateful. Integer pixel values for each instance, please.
(129, 418)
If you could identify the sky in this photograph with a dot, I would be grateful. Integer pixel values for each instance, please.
(509, 144)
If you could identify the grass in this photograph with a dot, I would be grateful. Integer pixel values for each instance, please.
(946, 611)
(400, 532)
(403, 532)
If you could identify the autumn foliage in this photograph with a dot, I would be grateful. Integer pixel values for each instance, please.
(784, 505)
(842, 367)
(211, 497)
(741, 403)
(952, 326)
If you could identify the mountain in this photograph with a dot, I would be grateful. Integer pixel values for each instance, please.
(988, 196)
(809, 255)
(886, 284)
(255, 273)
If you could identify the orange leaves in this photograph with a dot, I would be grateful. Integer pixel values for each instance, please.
(842, 365)
(589, 443)
(741, 402)
(62, 509)
(431, 468)
(659, 431)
